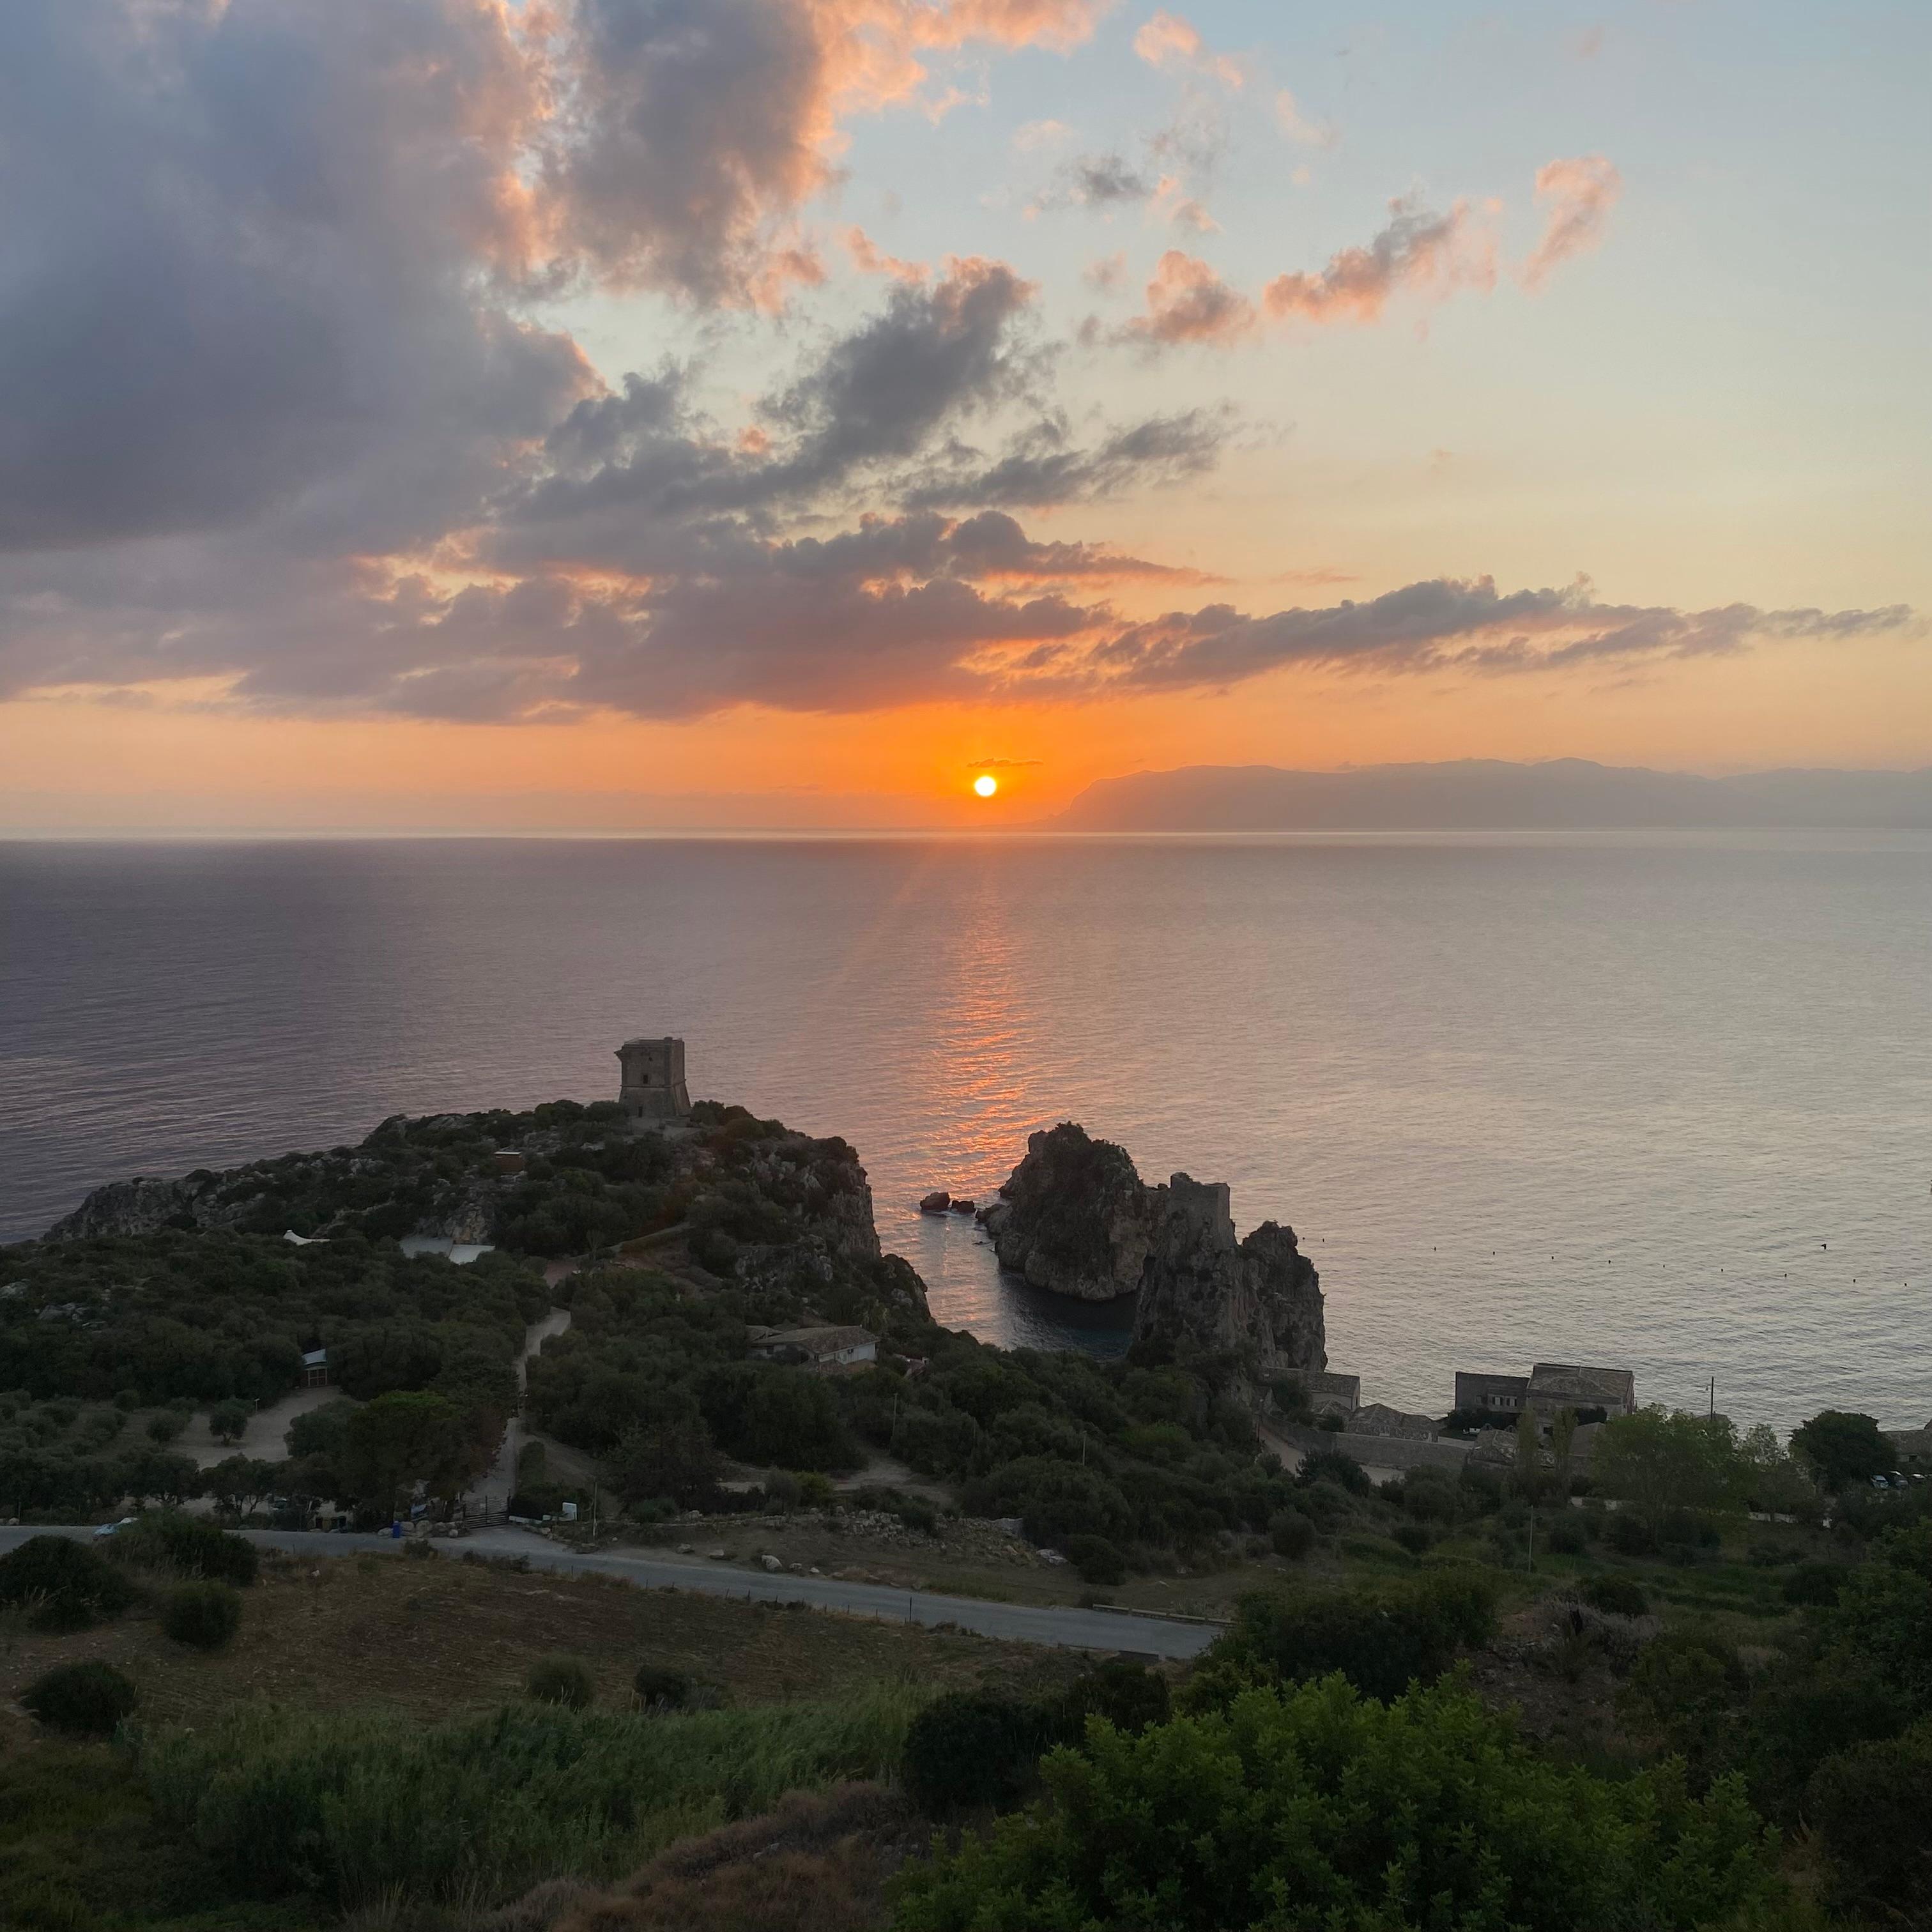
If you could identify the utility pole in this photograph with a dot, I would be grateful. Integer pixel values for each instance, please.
(1713, 1409)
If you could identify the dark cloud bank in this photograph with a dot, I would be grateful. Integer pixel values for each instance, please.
(280, 411)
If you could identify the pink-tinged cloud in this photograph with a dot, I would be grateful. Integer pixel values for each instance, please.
(1576, 196)
(1419, 252)
(870, 259)
(1168, 40)
(1171, 205)
(1187, 301)
(1297, 126)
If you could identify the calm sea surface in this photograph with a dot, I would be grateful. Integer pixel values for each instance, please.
(1667, 1105)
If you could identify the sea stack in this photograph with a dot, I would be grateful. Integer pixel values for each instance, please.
(1076, 1218)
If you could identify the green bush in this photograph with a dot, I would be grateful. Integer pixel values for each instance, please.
(559, 1678)
(1314, 1808)
(61, 1585)
(1098, 1561)
(1382, 1639)
(969, 1747)
(1629, 1534)
(88, 1699)
(1333, 1466)
(204, 1614)
(1620, 1596)
(1415, 1537)
(1128, 1696)
(370, 1805)
(1873, 1806)
(1292, 1533)
(1815, 1584)
(1567, 1536)
(660, 1688)
(194, 1546)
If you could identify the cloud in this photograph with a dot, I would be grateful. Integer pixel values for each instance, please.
(1445, 625)
(1418, 252)
(1002, 764)
(869, 259)
(263, 259)
(1046, 465)
(1298, 127)
(1576, 196)
(688, 134)
(1106, 274)
(1187, 301)
(1171, 204)
(1167, 40)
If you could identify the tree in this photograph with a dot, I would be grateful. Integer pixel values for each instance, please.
(238, 1483)
(1841, 1447)
(1658, 1459)
(228, 1421)
(1562, 1436)
(407, 1437)
(668, 1452)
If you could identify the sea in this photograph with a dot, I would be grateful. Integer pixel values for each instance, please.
(1663, 1103)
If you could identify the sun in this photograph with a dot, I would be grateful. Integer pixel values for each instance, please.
(985, 785)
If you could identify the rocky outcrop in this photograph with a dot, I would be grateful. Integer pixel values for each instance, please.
(1075, 1217)
(144, 1205)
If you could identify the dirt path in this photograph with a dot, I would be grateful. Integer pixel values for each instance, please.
(496, 1485)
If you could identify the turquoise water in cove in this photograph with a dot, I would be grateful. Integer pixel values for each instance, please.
(1662, 1104)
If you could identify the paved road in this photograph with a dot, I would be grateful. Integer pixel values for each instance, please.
(1063, 1626)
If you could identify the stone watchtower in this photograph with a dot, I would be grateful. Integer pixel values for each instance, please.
(652, 1087)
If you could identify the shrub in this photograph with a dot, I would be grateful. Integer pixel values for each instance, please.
(1629, 1534)
(89, 1698)
(1620, 1596)
(660, 1688)
(1098, 1561)
(968, 1748)
(561, 1679)
(1055, 1499)
(1427, 1812)
(167, 1539)
(1414, 1537)
(164, 1427)
(1292, 1533)
(1128, 1696)
(1567, 1537)
(61, 1585)
(204, 1614)
(1873, 1805)
(1381, 1639)
(1814, 1584)
(1332, 1465)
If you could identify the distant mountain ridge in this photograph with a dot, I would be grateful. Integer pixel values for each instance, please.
(1485, 794)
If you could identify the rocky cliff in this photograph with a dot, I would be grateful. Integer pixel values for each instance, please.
(782, 1213)
(1075, 1217)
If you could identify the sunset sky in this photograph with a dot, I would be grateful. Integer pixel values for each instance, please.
(455, 414)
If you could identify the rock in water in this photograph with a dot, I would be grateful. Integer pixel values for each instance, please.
(1076, 1218)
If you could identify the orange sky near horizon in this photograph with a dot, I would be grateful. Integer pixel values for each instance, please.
(155, 765)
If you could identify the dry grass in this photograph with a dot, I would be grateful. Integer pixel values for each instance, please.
(817, 1863)
(442, 1635)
